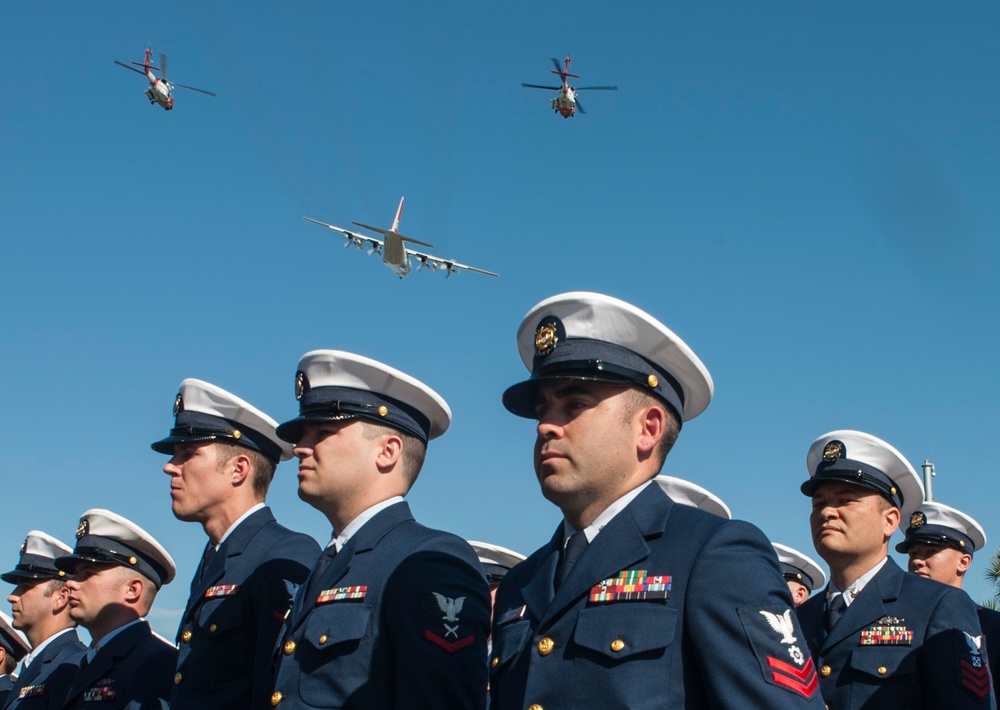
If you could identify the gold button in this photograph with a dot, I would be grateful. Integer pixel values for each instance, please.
(212, 628)
(322, 640)
(275, 698)
(545, 647)
(289, 648)
(178, 678)
(536, 706)
(186, 636)
(882, 670)
(825, 671)
(617, 645)
(495, 662)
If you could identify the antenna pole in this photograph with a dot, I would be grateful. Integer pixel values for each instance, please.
(929, 473)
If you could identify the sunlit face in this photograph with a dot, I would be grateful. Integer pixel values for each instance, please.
(334, 458)
(849, 521)
(94, 587)
(941, 563)
(584, 447)
(29, 605)
(198, 481)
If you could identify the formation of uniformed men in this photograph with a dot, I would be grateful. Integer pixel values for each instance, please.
(631, 604)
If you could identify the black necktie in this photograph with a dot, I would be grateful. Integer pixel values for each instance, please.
(321, 564)
(575, 546)
(835, 610)
(206, 560)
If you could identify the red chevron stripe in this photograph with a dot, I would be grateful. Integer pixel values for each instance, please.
(449, 646)
(975, 680)
(799, 673)
(799, 686)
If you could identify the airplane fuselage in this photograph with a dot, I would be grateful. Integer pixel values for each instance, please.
(394, 255)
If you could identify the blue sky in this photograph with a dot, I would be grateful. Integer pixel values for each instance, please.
(805, 192)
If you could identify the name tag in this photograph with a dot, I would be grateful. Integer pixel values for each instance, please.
(886, 636)
(631, 585)
(511, 615)
(223, 590)
(339, 594)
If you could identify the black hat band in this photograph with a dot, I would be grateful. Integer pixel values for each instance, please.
(858, 473)
(191, 426)
(94, 548)
(794, 574)
(937, 535)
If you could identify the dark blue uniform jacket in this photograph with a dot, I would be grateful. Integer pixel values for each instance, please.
(45, 682)
(234, 615)
(714, 628)
(135, 670)
(399, 619)
(905, 642)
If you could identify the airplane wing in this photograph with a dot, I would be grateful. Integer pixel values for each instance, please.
(358, 240)
(449, 265)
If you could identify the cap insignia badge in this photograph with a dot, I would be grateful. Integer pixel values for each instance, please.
(300, 384)
(832, 451)
(83, 528)
(546, 339)
(178, 404)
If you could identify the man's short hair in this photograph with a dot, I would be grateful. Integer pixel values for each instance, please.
(263, 467)
(414, 450)
(52, 586)
(636, 400)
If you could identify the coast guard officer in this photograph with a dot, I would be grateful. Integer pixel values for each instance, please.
(632, 603)
(116, 570)
(40, 606)
(13, 647)
(394, 615)
(223, 457)
(801, 572)
(882, 638)
(940, 542)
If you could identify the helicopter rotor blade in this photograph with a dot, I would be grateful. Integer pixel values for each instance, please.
(579, 106)
(557, 65)
(200, 91)
(163, 66)
(538, 86)
(122, 64)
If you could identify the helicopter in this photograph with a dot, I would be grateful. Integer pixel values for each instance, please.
(566, 103)
(160, 90)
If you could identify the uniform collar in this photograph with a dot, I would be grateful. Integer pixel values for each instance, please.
(606, 517)
(855, 589)
(358, 522)
(238, 521)
(95, 648)
(26, 661)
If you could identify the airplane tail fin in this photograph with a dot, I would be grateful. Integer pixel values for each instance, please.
(399, 213)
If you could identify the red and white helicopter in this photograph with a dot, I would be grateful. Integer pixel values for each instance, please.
(566, 103)
(159, 91)
(394, 254)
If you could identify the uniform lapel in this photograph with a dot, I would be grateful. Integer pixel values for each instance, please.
(231, 548)
(621, 544)
(361, 542)
(103, 662)
(869, 606)
(538, 592)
